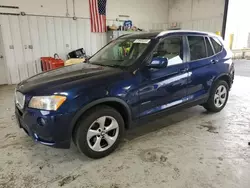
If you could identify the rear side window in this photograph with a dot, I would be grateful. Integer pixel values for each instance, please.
(217, 45)
(210, 51)
(197, 47)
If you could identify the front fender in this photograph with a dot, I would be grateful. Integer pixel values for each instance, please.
(97, 102)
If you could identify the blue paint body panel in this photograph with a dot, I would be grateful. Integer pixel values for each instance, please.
(141, 90)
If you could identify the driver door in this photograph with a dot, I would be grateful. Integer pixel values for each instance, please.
(166, 87)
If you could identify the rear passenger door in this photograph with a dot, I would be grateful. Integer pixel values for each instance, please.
(201, 60)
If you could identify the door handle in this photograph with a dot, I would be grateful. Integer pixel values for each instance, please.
(1, 57)
(214, 61)
(183, 70)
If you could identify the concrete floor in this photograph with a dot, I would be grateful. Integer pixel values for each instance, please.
(242, 67)
(190, 149)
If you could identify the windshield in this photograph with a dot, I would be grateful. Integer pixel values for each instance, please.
(120, 52)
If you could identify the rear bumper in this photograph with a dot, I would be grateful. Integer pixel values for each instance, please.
(232, 72)
(46, 127)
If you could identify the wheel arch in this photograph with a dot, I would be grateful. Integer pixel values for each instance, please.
(226, 77)
(121, 106)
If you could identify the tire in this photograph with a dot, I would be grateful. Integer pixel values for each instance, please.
(99, 132)
(217, 102)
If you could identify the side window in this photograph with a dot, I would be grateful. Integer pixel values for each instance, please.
(217, 45)
(172, 49)
(197, 47)
(210, 51)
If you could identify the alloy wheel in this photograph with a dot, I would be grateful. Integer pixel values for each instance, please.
(102, 133)
(220, 96)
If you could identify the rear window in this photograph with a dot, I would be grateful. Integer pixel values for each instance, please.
(210, 51)
(217, 45)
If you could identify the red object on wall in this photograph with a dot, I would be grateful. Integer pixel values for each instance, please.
(45, 63)
(55, 63)
(50, 63)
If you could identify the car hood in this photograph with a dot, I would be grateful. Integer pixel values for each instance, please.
(55, 78)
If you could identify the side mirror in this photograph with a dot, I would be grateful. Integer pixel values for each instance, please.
(158, 63)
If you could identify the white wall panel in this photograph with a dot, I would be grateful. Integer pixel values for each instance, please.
(66, 35)
(187, 25)
(179, 11)
(147, 8)
(60, 46)
(44, 7)
(207, 25)
(43, 36)
(18, 47)
(35, 42)
(73, 34)
(204, 15)
(94, 44)
(103, 40)
(4, 71)
(198, 24)
(204, 9)
(149, 11)
(26, 41)
(50, 27)
(87, 36)
(80, 33)
(13, 73)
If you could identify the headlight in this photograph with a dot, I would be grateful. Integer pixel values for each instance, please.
(19, 100)
(47, 102)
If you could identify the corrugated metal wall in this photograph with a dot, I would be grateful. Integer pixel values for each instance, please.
(205, 15)
(27, 38)
(211, 25)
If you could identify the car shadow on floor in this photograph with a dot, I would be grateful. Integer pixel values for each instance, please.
(61, 155)
(165, 121)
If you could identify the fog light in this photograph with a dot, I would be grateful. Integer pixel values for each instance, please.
(41, 121)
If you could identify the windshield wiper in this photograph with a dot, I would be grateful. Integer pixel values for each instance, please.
(113, 66)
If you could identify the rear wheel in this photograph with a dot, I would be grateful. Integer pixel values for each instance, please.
(99, 132)
(218, 97)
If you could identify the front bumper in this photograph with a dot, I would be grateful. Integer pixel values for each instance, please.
(45, 127)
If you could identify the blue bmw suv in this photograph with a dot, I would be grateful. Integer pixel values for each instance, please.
(134, 77)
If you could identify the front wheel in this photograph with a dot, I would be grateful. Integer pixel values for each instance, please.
(99, 132)
(218, 97)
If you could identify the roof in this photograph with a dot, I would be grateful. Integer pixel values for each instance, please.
(185, 31)
(146, 35)
(151, 35)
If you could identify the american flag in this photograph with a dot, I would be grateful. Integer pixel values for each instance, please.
(98, 15)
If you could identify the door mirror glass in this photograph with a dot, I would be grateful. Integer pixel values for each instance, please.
(158, 63)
